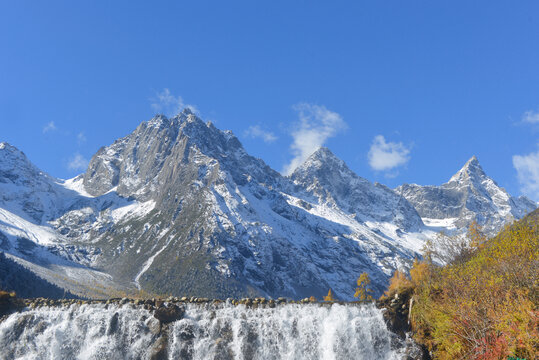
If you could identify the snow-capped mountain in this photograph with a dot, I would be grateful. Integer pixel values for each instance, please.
(30, 202)
(469, 195)
(222, 222)
(26, 189)
(178, 206)
(332, 183)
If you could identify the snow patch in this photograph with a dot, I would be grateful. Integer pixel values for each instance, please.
(147, 265)
(76, 184)
(440, 224)
(17, 226)
(133, 210)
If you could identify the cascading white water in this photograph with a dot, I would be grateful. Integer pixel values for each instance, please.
(77, 332)
(286, 332)
(289, 331)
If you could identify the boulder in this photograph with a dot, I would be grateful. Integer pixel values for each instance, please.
(170, 313)
(159, 349)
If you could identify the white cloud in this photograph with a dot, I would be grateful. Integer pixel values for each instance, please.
(49, 127)
(81, 138)
(386, 156)
(531, 117)
(527, 167)
(168, 104)
(77, 162)
(257, 132)
(316, 125)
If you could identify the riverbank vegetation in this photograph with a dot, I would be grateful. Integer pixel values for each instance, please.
(483, 304)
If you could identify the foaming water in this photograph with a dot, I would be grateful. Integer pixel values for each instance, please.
(289, 331)
(76, 332)
(286, 332)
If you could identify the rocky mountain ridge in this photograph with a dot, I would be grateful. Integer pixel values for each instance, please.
(469, 195)
(179, 207)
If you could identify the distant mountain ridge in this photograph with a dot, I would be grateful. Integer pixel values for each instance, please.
(469, 195)
(327, 178)
(178, 206)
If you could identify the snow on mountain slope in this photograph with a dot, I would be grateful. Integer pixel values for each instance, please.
(469, 195)
(248, 228)
(333, 184)
(178, 206)
(24, 189)
(32, 203)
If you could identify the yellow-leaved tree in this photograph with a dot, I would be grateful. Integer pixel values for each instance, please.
(476, 235)
(329, 296)
(363, 290)
(398, 283)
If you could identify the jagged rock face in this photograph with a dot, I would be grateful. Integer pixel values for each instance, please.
(329, 179)
(469, 195)
(194, 239)
(22, 185)
(132, 163)
(222, 223)
(179, 207)
(150, 159)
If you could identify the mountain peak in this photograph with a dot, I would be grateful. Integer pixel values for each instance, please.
(323, 152)
(7, 146)
(15, 168)
(472, 162)
(187, 111)
(12, 153)
(330, 180)
(174, 123)
(166, 142)
(470, 171)
(321, 158)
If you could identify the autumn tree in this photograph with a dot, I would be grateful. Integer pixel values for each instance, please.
(363, 290)
(329, 296)
(420, 272)
(398, 283)
(476, 236)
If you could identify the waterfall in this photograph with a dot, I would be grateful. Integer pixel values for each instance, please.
(291, 331)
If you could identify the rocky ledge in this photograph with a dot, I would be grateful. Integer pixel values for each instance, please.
(396, 311)
(153, 303)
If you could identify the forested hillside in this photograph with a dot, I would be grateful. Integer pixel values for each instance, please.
(15, 277)
(483, 304)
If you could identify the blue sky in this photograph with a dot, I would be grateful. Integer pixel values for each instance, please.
(402, 91)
